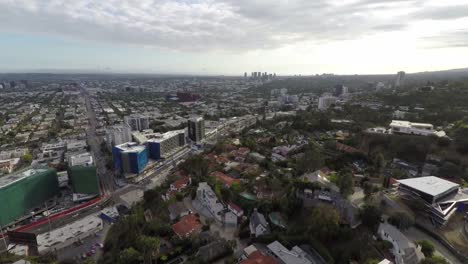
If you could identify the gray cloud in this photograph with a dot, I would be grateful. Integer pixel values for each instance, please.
(231, 25)
(444, 13)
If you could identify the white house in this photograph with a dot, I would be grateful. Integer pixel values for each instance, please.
(422, 129)
(258, 224)
(405, 251)
(207, 198)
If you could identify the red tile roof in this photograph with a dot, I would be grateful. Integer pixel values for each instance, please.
(179, 184)
(226, 180)
(257, 257)
(347, 149)
(235, 207)
(188, 225)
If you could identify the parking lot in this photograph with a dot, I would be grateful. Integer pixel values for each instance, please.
(87, 248)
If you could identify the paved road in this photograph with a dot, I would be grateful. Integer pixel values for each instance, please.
(440, 250)
(106, 177)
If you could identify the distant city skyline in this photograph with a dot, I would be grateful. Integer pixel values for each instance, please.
(230, 37)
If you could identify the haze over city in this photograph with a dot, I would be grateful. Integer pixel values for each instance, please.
(212, 37)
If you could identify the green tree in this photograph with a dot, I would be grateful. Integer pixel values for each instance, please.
(401, 219)
(27, 158)
(196, 166)
(310, 161)
(149, 246)
(434, 260)
(345, 183)
(369, 189)
(130, 256)
(450, 170)
(324, 222)
(370, 216)
(427, 248)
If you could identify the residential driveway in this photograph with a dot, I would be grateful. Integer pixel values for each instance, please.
(440, 250)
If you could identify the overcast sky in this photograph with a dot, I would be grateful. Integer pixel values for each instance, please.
(234, 36)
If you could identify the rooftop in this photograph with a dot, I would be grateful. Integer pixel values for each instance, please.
(402, 123)
(430, 185)
(18, 176)
(258, 257)
(187, 225)
(83, 159)
(130, 147)
(294, 256)
(161, 137)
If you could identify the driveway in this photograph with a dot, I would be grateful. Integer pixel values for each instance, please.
(440, 250)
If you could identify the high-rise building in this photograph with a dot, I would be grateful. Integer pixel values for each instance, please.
(118, 134)
(325, 102)
(400, 79)
(340, 90)
(165, 145)
(196, 129)
(245, 74)
(129, 158)
(137, 122)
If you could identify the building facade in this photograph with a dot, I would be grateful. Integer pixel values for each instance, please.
(196, 129)
(137, 122)
(166, 144)
(130, 158)
(25, 190)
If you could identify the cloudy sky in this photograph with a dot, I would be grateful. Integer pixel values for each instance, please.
(233, 36)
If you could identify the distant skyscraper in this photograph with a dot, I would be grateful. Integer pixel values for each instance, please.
(400, 79)
(325, 102)
(137, 122)
(340, 90)
(245, 75)
(196, 129)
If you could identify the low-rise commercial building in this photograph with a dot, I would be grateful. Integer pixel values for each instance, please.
(422, 129)
(442, 198)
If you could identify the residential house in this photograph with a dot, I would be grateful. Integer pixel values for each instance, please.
(405, 251)
(224, 179)
(294, 256)
(187, 226)
(258, 224)
(208, 199)
(180, 184)
(237, 210)
(257, 257)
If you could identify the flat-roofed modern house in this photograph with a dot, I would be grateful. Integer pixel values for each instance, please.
(422, 129)
(441, 197)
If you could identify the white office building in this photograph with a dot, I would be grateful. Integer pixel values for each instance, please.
(325, 102)
(422, 129)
